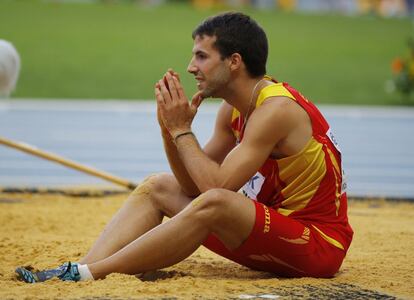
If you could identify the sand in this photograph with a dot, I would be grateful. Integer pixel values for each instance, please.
(46, 230)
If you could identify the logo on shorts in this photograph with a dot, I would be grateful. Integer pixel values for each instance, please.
(271, 258)
(304, 239)
(266, 228)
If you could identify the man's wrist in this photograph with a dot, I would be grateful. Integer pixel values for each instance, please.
(165, 133)
(175, 132)
(177, 135)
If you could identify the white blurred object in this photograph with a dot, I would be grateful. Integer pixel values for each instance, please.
(9, 67)
(389, 86)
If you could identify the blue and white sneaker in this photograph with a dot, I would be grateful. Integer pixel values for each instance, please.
(66, 272)
(71, 273)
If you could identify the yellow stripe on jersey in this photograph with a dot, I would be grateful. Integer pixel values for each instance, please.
(338, 184)
(235, 114)
(302, 173)
(329, 239)
(273, 90)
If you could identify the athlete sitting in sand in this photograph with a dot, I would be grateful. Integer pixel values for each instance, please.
(266, 191)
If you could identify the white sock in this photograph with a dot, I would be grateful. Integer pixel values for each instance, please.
(85, 273)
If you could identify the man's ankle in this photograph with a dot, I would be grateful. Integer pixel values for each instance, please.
(85, 273)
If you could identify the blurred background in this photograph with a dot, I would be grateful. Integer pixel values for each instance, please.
(333, 51)
(87, 66)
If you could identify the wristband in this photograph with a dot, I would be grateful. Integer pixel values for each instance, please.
(182, 134)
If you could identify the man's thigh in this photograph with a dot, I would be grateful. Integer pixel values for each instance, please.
(229, 215)
(283, 246)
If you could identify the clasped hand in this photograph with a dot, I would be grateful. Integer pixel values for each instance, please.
(175, 113)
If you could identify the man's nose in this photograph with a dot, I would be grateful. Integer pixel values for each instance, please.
(191, 67)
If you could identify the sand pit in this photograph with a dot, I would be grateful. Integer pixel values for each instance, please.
(45, 230)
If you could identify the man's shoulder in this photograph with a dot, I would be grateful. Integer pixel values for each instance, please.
(224, 115)
(225, 110)
(279, 112)
(278, 105)
(226, 106)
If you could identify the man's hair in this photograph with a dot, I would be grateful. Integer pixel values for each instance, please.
(237, 33)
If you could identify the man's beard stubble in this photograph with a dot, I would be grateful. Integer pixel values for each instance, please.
(218, 81)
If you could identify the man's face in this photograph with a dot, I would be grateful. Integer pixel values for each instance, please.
(211, 72)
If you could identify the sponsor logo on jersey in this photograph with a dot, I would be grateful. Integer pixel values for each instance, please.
(252, 188)
(331, 136)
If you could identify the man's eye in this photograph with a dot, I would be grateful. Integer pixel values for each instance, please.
(201, 56)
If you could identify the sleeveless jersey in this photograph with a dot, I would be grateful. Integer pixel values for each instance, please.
(308, 186)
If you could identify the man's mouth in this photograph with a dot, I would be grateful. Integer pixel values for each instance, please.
(199, 81)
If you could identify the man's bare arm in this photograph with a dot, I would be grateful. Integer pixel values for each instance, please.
(266, 127)
(187, 184)
(222, 141)
(218, 146)
(268, 124)
(178, 169)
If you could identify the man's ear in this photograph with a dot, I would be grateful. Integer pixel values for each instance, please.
(235, 61)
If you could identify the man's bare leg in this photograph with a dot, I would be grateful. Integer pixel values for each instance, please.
(229, 215)
(157, 196)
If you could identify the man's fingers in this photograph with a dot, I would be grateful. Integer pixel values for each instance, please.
(172, 86)
(164, 91)
(196, 100)
(180, 90)
(160, 107)
(198, 95)
(174, 74)
(158, 95)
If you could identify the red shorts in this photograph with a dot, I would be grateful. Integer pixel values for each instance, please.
(283, 246)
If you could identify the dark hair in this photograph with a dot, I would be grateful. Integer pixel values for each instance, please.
(237, 33)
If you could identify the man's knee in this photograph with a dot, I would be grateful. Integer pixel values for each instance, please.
(210, 206)
(229, 215)
(154, 186)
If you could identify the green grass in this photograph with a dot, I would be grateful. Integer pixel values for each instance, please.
(118, 51)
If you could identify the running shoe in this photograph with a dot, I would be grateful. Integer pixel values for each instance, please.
(66, 272)
(71, 273)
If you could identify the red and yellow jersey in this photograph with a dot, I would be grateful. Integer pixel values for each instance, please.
(308, 186)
